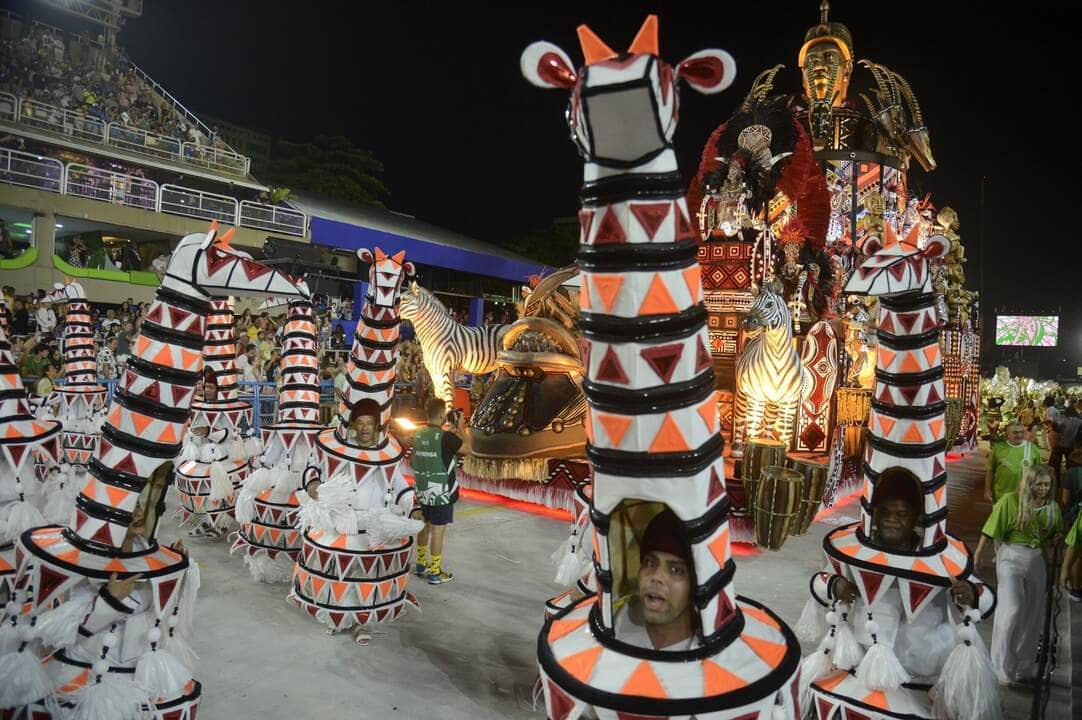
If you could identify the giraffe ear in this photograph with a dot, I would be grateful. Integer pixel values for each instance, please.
(408, 268)
(365, 255)
(936, 247)
(872, 246)
(708, 71)
(547, 66)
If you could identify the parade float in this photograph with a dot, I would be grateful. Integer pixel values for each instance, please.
(101, 618)
(787, 191)
(652, 425)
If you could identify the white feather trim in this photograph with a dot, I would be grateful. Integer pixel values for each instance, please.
(383, 527)
(814, 667)
(265, 570)
(333, 509)
(59, 627)
(116, 697)
(221, 487)
(182, 651)
(208, 452)
(252, 446)
(300, 457)
(284, 487)
(162, 674)
(190, 452)
(236, 449)
(25, 679)
(190, 591)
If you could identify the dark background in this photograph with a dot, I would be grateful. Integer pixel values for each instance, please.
(434, 91)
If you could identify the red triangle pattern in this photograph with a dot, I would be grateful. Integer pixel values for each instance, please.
(178, 317)
(368, 561)
(154, 315)
(872, 582)
(917, 593)
(165, 591)
(650, 216)
(48, 581)
(80, 519)
(825, 708)
(908, 320)
(909, 392)
(103, 535)
(886, 323)
(610, 232)
(216, 259)
(343, 563)
(663, 359)
(323, 556)
(560, 704)
(586, 220)
(337, 618)
(179, 392)
(381, 615)
(253, 270)
(725, 610)
(126, 464)
(715, 488)
(933, 394)
(937, 466)
(152, 392)
(683, 227)
(610, 369)
(702, 358)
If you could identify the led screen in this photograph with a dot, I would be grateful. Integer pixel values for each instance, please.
(1031, 330)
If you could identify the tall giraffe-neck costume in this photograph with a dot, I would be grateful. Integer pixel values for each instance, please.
(91, 648)
(267, 504)
(227, 418)
(907, 594)
(24, 440)
(79, 400)
(343, 579)
(653, 429)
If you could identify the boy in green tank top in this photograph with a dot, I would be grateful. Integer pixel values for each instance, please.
(435, 452)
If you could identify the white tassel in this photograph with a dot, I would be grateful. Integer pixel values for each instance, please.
(59, 627)
(192, 580)
(115, 697)
(252, 446)
(60, 505)
(284, 487)
(9, 637)
(815, 667)
(25, 680)
(254, 484)
(847, 651)
(387, 526)
(812, 624)
(161, 674)
(182, 651)
(880, 668)
(208, 453)
(966, 689)
(236, 448)
(190, 452)
(21, 517)
(220, 485)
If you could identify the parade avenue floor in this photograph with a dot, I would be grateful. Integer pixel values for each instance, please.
(470, 651)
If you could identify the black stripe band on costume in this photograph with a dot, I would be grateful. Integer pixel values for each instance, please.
(908, 342)
(379, 324)
(121, 439)
(908, 412)
(115, 478)
(641, 257)
(710, 589)
(621, 188)
(660, 398)
(930, 486)
(612, 329)
(909, 379)
(183, 302)
(907, 302)
(702, 527)
(670, 464)
(156, 410)
(165, 335)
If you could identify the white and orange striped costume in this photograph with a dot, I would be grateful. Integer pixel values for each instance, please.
(80, 651)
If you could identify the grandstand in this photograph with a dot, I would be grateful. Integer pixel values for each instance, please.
(102, 169)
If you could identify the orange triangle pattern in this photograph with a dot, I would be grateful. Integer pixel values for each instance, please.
(910, 364)
(936, 426)
(615, 426)
(608, 287)
(644, 683)
(581, 664)
(693, 279)
(719, 548)
(584, 293)
(830, 683)
(931, 354)
(876, 699)
(718, 680)
(886, 357)
(923, 567)
(669, 438)
(951, 566)
(560, 628)
(658, 300)
(762, 616)
(913, 434)
(708, 411)
(771, 653)
(886, 424)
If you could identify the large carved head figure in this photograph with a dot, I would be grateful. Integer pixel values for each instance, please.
(386, 276)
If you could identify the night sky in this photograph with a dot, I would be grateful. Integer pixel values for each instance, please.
(434, 91)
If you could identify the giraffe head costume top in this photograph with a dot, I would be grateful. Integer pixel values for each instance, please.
(653, 422)
(64, 569)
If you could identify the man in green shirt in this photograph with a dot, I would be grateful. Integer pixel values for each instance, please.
(434, 458)
(1007, 460)
(1069, 574)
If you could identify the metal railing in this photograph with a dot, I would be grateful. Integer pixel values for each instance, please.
(34, 171)
(70, 123)
(178, 200)
(44, 173)
(144, 142)
(111, 187)
(9, 107)
(215, 158)
(271, 217)
(63, 122)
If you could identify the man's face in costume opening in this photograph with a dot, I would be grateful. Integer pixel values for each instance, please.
(826, 72)
(895, 519)
(664, 587)
(365, 427)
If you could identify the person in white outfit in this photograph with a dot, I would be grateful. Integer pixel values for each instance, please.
(1025, 527)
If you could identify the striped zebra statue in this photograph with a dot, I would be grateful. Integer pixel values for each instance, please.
(768, 374)
(446, 345)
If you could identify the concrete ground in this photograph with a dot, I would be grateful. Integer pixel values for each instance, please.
(470, 652)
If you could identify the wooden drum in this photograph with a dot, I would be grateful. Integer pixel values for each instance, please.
(758, 454)
(777, 502)
(954, 420)
(854, 404)
(814, 471)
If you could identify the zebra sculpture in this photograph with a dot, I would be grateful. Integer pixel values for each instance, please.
(445, 344)
(768, 374)
(79, 647)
